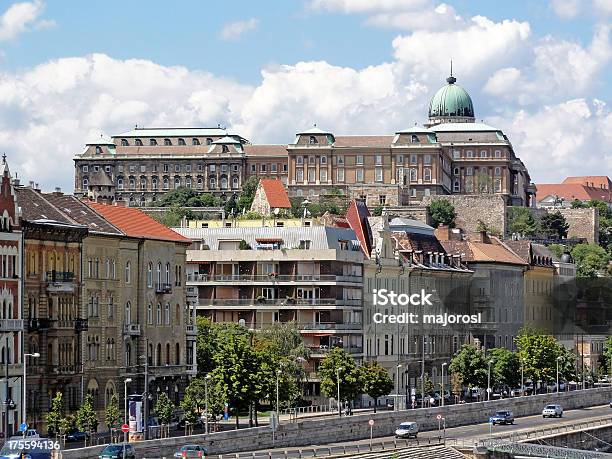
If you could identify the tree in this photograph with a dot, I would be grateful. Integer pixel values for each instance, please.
(209, 337)
(553, 225)
(442, 212)
(113, 415)
(606, 356)
(470, 365)
(484, 182)
(377, 211)
(164, 409)
(55, 415)
(231, 205)
(590, 259)
(521, 221)
(538, 353)
(350, 377)
(456, 384)
(376, 381)
(558, 249)
(506, 368)
(248, 194)
(86, 417)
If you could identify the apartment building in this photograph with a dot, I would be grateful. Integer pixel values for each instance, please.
(449, 154)
(311, 276)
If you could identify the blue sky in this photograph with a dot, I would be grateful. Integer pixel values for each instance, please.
(72, 70)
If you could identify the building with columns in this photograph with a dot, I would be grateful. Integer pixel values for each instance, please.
(450, 153)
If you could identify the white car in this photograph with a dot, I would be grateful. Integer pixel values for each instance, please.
(552, 411)
(407, 430)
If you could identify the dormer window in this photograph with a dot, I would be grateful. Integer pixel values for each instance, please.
(138, 143)
(195, 141)
(124, 143)
(313, 140)
(98, 150)
(209, 141)
(152, 142)
(181, 141)
(225, 149)
(414, 138)
(167, 142)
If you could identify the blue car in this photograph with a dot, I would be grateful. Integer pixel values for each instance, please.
(39, 448)
(502, 417)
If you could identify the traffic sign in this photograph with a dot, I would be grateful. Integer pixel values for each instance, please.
(125, 428)
(371, 422)
(491, 420)
(438, 417)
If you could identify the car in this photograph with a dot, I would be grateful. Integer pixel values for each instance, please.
(12, 449)
(610, 404)
(75, 435)
(502, 417)
(407, 430)
(115, 451)
(552, 411)
(183, 422)
(191, 451)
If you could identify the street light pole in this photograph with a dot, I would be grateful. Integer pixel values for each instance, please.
(206, 378)
(125, 410)
(522, 379)
(558, 359)
(489, 381)
(338, 370)
(35, 355)
(442, 390)
(278, 372)
(396, 404)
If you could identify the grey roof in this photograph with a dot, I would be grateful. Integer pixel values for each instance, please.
(463, 127)
(321, 237)
(416, 130)
(410, 225)
(227, 140)
(173, 132)
(314, 130)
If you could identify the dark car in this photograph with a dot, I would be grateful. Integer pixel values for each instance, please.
(502, 417)
(191, 451)
(115, 451)
(75, 435)
(183, 422)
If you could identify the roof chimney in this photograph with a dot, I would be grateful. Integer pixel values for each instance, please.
(442, 232)
(58, 190)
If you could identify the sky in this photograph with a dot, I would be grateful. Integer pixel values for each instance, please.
(71, 71)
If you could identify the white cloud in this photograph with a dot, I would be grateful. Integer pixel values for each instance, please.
(18, 17)
(565, 8)
(366, 6)
(603, 5)
(235, 30)
(443, 16)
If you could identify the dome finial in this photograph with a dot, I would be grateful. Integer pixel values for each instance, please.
(451, 79)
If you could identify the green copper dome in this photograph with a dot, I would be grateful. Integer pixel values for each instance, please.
(451, 101)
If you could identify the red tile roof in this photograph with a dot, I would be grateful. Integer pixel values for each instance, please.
(266, 150)
(275, 193)
(363, 140)
(481, 252)
(571, 191)
(596, 181)
(357, 216)
(135, 223)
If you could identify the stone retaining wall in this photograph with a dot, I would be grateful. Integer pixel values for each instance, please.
(332, 429)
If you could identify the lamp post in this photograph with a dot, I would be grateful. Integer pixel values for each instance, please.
(35, 355)
(396, 404)
(125, 410)
(278, 373)
(338, 370)
(489, 381)
(558, 360)
(442, 390)
(522, 379)
(206, 379)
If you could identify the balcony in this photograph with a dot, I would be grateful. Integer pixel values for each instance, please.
(271, 278)
(323, 350)
(38, 324)
(166, 370)
(60, 281)
(163, 288)
(64, 369)
(11, 325)
(131, 329)
(81, 325)
(330, 326)
(263, 303)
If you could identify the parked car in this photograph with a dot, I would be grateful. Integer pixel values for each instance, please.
(115, 451)
(552, 411)
(502, 417)
(75, 435)
(191, 451)
(183, 422)
(407, 430)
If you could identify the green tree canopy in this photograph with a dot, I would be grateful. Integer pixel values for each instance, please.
(164, 408)
(247, 194)
(376, 381)
(350, 377)
(590, 259)
(193, 403)
(210, 336)
(553, 225)
(55, 414)
(471, 366)
(442, 212)
(538, 354)
(506, 368)
(521, 221)
(113, 415)
(86, 417)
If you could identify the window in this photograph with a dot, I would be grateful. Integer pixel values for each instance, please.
(498, 153)
(132, 183)
(213, 168)
(224, 168)
(200, 168)
(158, 319)
(456, 187)
(154, 183)
(414, 138)
(159, 273)
(469, 154)
(224, 183)
(400, 159)
(274, 168)
(98, 150)
(378, 174)
(195, 141)
(456, 171)
(200, 183)
(253, 168)
(177, 182)
(166, 168)
(359, 175)
(483, 154)
(413, 175)
(188, 168)
(181, 142)
(299, 160)
(177, 168)
(323, 159)
(167, 142)
(359, 160)
(166, 183)
(188, 182)
(85, 168)
(132, 169)
(213, 183)
(124, 143)
(96, 168)
(167, 273)
(340, 175)
(150, 314)
(111, 308)
(234, 167)
(262, 168)
(312, 160)
(312, 140)
(143, 183)
(427, 174)
(85, 182)
(285, 168)
(138, 142)
(152, 142)
(456, 154)
(427, 192)
(150, 275)
(469, 171)
(299, 175)
(378, 160)
(167, 314)
(235, 182)
(128, 272)
(382, 199)
(413, 159)
(427, 159)
(497, 185)
(323, 175)
(340, 160)
(107, 169)
(312, 174)
(498, 171)
(209, 141)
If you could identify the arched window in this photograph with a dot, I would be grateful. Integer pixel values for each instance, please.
(224, 183)
(150, 275)
(120, 183)
(181, 141)
(188, 182)
(166, 183)
(167, 353)
(152, 142)
(98, 150)
(209, 141)
(150, 314)
(132, 183)
(195, 141)
(159, 356)
(200, 183)
(154, 183)
(138, 143)
(167, 314)
(177, 317)
(177, 354)
(414, 138)
(177, 182)
(143, 183)
(150, 354)
(213, 183)
(235, 182)
(167, 142)
(312, 140)
(128, 313)
(159, 273)
(85, 182)
(124, 143)
(168, 273)
(224, 148)
(128, 354)
(128, 272)
(159, 314)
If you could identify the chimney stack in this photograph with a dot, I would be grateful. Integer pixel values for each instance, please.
(443, 232)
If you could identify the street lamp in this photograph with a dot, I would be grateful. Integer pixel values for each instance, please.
(399, 365)
(558, 360)
(338, 370)
(442, 390)
(206, 379)
(125, 398)
(278, 373)
(35, 355)
(522, 379)
(489, 381)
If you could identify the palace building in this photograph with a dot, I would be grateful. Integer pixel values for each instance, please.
(450, 153)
